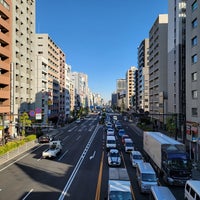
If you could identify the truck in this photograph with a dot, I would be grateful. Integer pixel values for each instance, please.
(119, 185)
(168, 156)
(55, 148)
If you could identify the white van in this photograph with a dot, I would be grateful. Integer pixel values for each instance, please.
(110, 142)
(146, 177)
(192, 190)
(161, 193)
(128, 145)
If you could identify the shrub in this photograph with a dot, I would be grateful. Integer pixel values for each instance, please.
(14, 144)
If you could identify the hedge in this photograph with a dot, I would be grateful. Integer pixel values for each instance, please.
(14, 144)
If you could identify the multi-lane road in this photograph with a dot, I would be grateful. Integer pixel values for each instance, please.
(80, 172)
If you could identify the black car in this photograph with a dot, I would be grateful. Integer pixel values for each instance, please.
(45, 139)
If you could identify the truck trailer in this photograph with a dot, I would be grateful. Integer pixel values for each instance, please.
(168, 156)
(119, 185)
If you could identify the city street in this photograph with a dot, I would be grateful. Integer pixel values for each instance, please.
(79, 172)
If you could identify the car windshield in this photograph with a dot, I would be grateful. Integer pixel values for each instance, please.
(111, 142)
(52, 147)
(120, 195)
(137, 157)
(114, 154)
(148, 177)
(129, 144)
(179, 163)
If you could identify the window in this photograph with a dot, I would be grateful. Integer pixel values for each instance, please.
(194, 23)
(194, 41)
(194, 76)
(194, 59)
(194, 94)
(194, 112)
(194, 6)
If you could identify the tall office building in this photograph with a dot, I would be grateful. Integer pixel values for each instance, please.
(5, 62)
(130, 87)
(143, 75)
(23, 57)
(121, 92)
(158, 67)
(176, 60)
(193, 73)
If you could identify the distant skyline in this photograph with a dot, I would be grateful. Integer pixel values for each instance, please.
(99, 37)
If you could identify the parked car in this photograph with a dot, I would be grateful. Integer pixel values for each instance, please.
(45, 139)
(135, 158)
(114, 158)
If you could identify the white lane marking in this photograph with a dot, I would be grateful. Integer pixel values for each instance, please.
(18, 159)
(70, 130)
(65, 138)
(91, 157)
(28, 194)
(78, 138)
(70, 180)
(61, 157)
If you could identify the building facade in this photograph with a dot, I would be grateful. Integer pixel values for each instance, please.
(143, 75)
(5, 64)
(130, 87)
(158, 67)
(192, 75)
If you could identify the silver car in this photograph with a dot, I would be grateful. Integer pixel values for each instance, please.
(114, 157)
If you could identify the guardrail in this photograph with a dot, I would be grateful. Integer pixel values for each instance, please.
(15, 152)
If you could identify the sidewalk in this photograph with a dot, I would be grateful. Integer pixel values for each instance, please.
(21, 149)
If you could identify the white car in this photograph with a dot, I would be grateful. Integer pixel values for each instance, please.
(114, 158)
(54, 149)
(110, 131)
(135, 158)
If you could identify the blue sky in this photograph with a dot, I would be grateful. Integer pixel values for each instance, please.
(99, 37)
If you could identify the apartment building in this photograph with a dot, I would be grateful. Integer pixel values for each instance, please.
(48, 49)
(130, 87)
(62, 85)
(41, 88)
(67, 90)
(80, 81)
(158, 67)
(143, 75)
(5, 61)
(192, 72)
(23, 57)
(176, 62)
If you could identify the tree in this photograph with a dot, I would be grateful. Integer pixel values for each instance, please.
(171, 125)
(24, 122)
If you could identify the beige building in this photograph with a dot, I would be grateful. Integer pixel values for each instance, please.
(47, 48)
(143, 75)
(130, 87)
(193, 73)
(158, 67)
(23, 57)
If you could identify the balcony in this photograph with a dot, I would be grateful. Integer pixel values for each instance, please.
(5, 51)
(4, 79)
(5, 64)
(4, 94)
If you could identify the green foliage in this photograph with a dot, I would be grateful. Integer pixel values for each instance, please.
(14, 144)
(171, 125)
